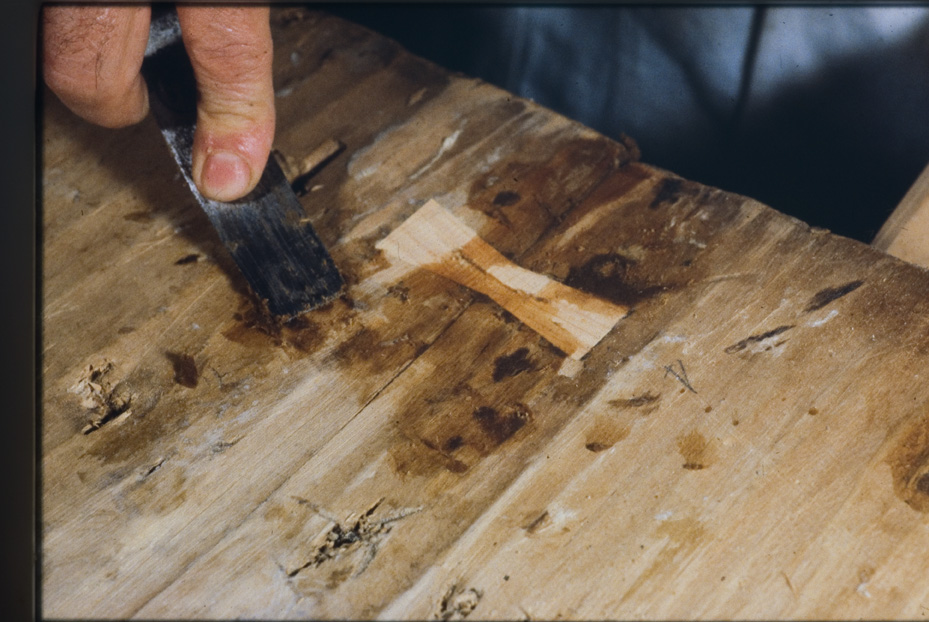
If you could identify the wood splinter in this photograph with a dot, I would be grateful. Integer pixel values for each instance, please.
(299, 171)
(434, 239)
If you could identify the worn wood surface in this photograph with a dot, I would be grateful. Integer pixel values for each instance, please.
(569, 319)
(752, 441)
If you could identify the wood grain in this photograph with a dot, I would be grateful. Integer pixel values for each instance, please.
(432, 238)
(749, 442)
(906, 231)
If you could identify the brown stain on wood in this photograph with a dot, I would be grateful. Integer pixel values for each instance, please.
(371, 348)
(338, 576)
(359, 259)
(757, 339)
(604, 433)
(186, 373)
(672, 189)
(646, 402)
(526, 196)
(155, 410)
(682, 531)
(695, 450)
(453, 443)
(831, 294)
(303, 333)
(505, 198)
(142, 216)
(512, 364)
(188, 259)
(286, 521)
(613, 277)
(421, 458)
(501, 426)
(255, 328)
(541, 520)
(909, 465)
(629, 259)
(452, 428)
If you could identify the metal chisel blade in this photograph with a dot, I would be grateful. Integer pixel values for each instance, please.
(266, 232)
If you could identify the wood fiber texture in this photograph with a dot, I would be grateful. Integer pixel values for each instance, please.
(751, 441)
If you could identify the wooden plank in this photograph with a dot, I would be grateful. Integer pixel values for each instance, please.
(749, 442)
(905, 231)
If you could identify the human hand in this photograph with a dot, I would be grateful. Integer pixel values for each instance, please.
(92, 56)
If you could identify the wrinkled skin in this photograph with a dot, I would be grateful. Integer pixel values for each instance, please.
(92, 55)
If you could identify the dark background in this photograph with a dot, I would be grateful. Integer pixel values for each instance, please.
(838, 151)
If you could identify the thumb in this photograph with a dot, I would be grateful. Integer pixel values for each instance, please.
(230, 49)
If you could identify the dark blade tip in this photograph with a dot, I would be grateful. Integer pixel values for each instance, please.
(286, 307)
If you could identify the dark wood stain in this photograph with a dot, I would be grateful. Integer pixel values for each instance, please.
(741, 345)
(370, 350)
(694, 448)
(831, 294)
(512, 364)
(659, 286)
(186, 373)
(538, 522)
(139, 216)
(256, 328)
(450, 426)
(186, 259)
(506, 198)
(612, 276)
(636, 401)
(527, 196)
(603, 433)
(303, 333)
(501, 427)
(909, 465)
(670, 189)
(155, 411)
(359, 259)
(922, 484)
(422, 458)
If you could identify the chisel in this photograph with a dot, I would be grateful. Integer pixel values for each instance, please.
(266, 232)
